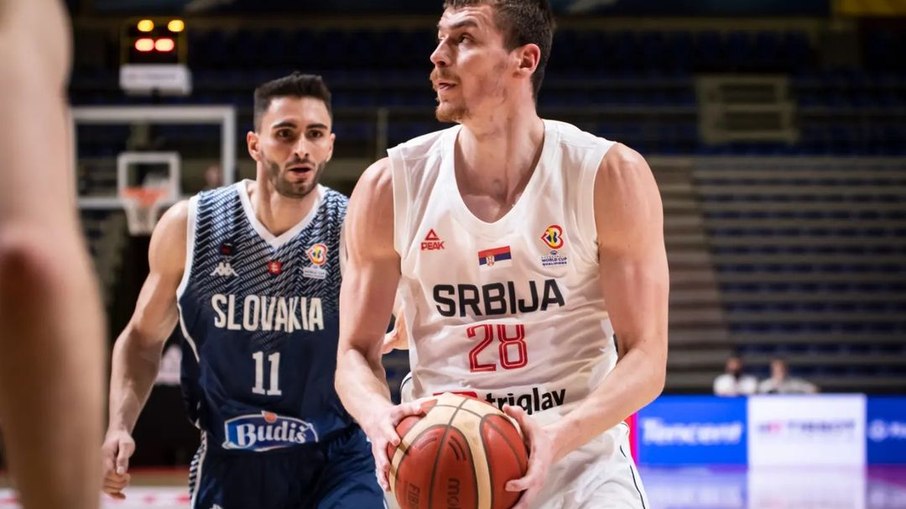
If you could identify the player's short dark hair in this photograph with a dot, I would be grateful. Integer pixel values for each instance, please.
(522, 22)
(294, 85)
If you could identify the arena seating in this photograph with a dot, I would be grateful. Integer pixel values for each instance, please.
(776, 248)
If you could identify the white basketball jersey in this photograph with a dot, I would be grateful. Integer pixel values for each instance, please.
(510, 311)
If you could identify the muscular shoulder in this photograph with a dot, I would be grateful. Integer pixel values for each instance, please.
(174, 220)
(168, 242)
(620, 159)
(626, 195)
(623, 173)
(369, 221)
(376, 182)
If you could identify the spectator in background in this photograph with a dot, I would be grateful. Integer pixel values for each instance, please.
(733, 382)
(781, 382)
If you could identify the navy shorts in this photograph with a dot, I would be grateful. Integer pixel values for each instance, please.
(337, 473)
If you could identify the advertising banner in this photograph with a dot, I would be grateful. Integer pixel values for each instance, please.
(801, 430)
(692, 430)
(886, 431)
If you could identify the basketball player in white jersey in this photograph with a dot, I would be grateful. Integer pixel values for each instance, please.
(51, 320)
(530, 261)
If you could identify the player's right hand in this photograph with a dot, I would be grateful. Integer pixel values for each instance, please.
(381, 431)
(116, 451)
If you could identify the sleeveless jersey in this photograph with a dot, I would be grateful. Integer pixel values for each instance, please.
(510, 311)
(260, 318)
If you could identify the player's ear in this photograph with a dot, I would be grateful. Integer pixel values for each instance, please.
(252, 141)
(527, 58)
(333, 138)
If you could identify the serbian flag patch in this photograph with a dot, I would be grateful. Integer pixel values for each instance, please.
(495, 257)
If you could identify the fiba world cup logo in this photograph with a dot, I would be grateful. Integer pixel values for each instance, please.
(553, 236)
(317, 254)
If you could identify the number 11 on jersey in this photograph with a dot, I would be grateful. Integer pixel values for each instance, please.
(274, 361)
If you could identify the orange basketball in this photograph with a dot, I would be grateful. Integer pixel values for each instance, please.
(461, 453)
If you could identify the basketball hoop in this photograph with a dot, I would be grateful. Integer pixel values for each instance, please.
(142, 205)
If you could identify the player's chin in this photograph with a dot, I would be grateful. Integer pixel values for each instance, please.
(297, 190)
(449, 112)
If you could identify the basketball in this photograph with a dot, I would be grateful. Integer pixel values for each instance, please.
(461, 453)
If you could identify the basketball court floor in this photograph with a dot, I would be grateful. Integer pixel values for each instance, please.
(692, 488)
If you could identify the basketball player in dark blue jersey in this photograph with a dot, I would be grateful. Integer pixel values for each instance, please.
(252, 274)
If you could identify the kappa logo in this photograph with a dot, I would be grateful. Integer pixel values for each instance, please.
(432, 242)
(224, 270)
(275, 267)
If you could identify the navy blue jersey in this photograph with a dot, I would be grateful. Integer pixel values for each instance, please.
(260, 318)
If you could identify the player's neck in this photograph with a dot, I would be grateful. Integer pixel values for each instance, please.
(276, 212)
(500, 149)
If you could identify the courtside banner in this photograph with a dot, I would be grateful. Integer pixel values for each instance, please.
(692, 430)
(886, 430)
(804, 430)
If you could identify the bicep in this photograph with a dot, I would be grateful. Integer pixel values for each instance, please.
(372, 269)
(633, 272)
(155, 310)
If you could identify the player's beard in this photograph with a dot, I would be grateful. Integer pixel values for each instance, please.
(447, 111)
(293, 190)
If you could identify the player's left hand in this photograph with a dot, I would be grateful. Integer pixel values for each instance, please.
(541, 456)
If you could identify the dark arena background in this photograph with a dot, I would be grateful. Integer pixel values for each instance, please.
(777, 134)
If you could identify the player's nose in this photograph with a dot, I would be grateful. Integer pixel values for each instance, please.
(302, 148)
(440, 56)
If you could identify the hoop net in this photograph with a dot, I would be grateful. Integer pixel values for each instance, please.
(142, 205)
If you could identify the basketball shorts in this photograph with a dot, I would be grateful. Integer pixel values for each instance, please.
(335, 474)
(599, 475)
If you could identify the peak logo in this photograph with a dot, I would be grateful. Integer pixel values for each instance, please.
(266, 431)
(432, 242)
(656, 431)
